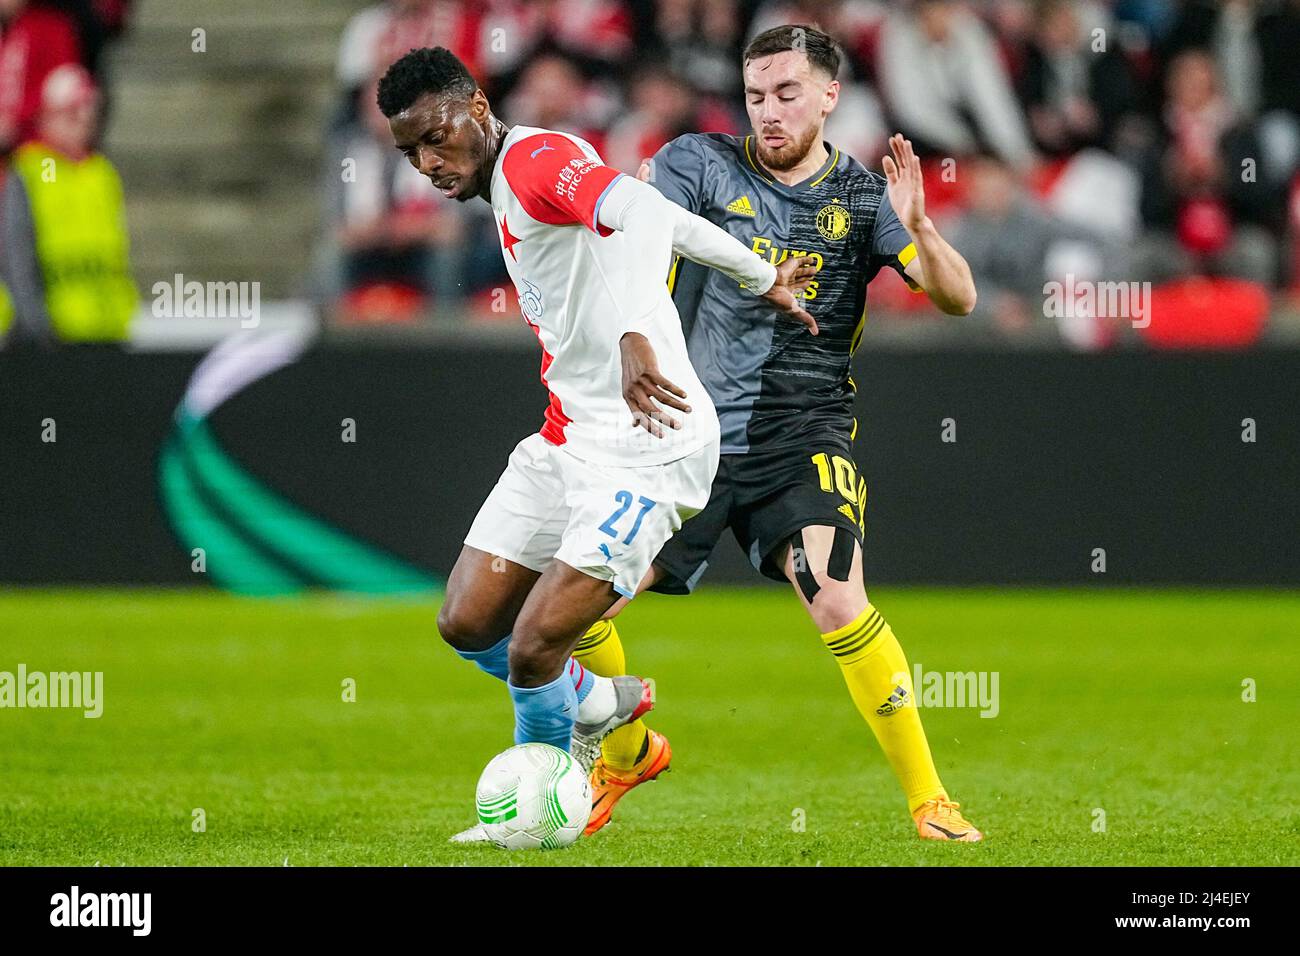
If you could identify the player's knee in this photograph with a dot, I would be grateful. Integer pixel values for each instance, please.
(464, 630)
(836, 605)
(533, 657)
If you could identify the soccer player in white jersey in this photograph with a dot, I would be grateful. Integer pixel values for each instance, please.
(585, 504)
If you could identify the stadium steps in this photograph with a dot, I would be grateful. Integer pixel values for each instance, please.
(221, 151)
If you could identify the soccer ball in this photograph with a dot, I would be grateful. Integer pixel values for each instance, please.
(533, 796)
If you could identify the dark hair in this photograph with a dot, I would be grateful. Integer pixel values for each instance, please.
(427, 70)
(822, 51)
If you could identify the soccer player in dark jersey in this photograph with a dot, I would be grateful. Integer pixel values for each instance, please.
(788, 486)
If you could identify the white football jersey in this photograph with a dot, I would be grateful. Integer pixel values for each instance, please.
(571, 276)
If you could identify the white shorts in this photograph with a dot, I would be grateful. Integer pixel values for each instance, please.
(604, 520)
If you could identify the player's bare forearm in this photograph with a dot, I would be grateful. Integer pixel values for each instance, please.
(945, 274)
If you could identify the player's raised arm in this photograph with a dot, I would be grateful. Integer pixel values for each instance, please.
(938, 268)
(657, 226)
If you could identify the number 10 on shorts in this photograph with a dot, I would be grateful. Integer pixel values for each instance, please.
(624, 499)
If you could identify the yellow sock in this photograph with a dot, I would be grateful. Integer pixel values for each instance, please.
(877, 674)
(601, 652)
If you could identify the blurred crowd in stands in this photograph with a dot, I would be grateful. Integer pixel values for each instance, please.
(65, 273)
(1089, 141)
(1134, 140)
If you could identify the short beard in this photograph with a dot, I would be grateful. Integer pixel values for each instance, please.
(788, 156)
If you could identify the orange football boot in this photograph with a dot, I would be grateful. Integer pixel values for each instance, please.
(609, 786)
(938, 819)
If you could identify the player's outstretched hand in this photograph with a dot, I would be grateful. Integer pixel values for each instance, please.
(904, 183)
(643, 386)
(643, 171)
(793, 275)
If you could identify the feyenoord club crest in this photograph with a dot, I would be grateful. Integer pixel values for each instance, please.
(833, 220)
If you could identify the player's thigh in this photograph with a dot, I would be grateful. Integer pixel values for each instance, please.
(511, 542)
(524, 515)
(651, 577)
(801, 521)
(682, 561)
(778, 493)
(484, 595)
(824, 565)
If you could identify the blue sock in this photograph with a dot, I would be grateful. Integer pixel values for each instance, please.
(583, 679)
(496, 661)
(545, 714)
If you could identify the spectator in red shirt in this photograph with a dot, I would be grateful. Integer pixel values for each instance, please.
(34, 41)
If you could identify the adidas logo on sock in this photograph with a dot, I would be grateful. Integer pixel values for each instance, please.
(897, 701)
(742, 206)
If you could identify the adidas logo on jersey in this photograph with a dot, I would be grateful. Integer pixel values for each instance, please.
(742, 206)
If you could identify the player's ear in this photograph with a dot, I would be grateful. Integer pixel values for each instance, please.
(831, 97)
(479, 108)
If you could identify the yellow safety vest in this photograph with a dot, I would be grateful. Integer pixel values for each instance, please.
(81, 242)
(6, 303)
(6, 310)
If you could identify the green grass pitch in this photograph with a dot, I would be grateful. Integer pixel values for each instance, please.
(1122, 701)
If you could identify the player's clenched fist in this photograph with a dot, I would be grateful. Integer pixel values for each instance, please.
(643, 386)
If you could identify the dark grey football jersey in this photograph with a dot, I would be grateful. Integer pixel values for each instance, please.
(773, 382)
